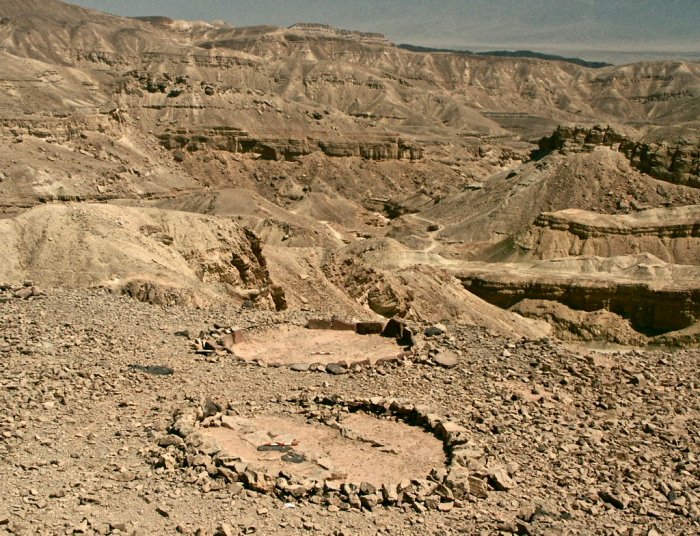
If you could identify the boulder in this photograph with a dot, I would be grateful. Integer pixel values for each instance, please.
(369, 328)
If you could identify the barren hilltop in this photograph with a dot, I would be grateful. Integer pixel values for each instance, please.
(239, 260)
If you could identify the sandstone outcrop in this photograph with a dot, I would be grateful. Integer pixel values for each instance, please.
(392, 282)
(569, 324)
(319, 138)
(270, 148)
(509, 202)
(179, 199)
(678, 163)
(671, 234)
(654, 296)
(327, 30)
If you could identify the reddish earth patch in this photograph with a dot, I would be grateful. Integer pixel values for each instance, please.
(370, 449)
(287, 345)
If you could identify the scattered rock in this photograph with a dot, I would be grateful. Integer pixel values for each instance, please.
(155, 370)
(342, 325)
(369, 328)
(393, 329)
(210, 408)
(446, 359)
(236, 336)
(336, 369)
(318, 323)
(500, 481)
(28, 292)
(435, 330)
(619, 501)
(478, 487)
(225, 530)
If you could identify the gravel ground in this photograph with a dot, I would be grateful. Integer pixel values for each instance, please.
(594, 442)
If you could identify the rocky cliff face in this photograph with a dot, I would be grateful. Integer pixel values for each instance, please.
(362, 75)
(671, 234)
(327, 30)
(677, 163)
(651, 308)
(271, 148)
(340, 137)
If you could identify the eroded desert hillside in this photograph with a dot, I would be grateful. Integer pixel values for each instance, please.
(318, 138)
(170, 190)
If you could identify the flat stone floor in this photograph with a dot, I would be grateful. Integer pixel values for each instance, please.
(289, 344)
(377, 450)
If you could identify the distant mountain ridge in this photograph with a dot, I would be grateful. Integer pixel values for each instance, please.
(311, 27)
(510, 54)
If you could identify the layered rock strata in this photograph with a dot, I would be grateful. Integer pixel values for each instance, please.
(655, 297)
(678, 163)
(671, 234)
(275, 148)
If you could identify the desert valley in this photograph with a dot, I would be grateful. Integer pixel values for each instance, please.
(285, 280)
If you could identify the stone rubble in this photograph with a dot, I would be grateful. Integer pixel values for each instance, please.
(581, 441)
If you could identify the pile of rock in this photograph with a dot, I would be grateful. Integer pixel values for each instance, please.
(25, 292)
(338, 324)
(464, 478)
(220, 340)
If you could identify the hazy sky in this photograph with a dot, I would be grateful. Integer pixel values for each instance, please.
(589, 28)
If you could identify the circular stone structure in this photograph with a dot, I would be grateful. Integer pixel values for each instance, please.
(358, 453)
(288, 345)
(360, 448)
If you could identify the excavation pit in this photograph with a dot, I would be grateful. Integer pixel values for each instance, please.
(359, 454)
